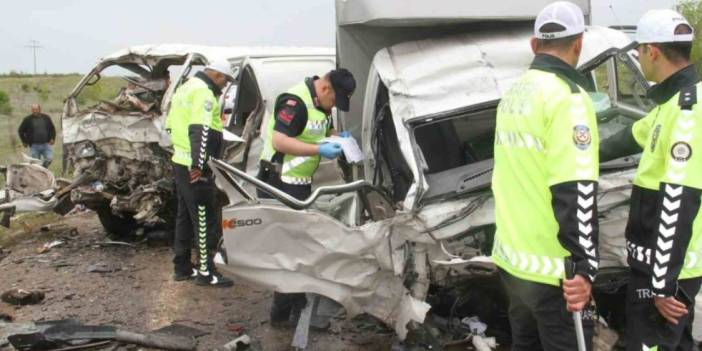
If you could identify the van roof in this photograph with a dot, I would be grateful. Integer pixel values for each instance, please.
(422, 12)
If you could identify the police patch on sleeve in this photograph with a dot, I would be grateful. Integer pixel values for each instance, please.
(582, 137)
(286, 115)
(208, 106)
(681, 151)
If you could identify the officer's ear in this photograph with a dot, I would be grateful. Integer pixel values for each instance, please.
(578, 45)
(654, 51)
(534, 45)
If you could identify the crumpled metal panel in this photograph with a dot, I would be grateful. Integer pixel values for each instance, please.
(308, 251)
(431, 76)
(97, 126)
(28, 179)
(426, 77)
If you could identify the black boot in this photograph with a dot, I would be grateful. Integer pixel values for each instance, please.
(213, 278)
(185, 275)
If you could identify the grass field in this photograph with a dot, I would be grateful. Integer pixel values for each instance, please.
(50, 92)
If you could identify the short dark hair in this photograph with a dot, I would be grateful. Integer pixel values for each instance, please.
(677, 52)
(555, 44)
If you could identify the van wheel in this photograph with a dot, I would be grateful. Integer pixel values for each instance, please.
(116, 227)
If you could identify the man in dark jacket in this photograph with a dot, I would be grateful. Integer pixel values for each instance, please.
(38, 133)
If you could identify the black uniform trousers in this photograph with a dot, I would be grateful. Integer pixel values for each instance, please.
(284, 304)
(644, 324)
(197, 218)
(539, 318)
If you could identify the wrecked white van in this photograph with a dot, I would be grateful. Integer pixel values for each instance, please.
(412, 228)
(119, 151)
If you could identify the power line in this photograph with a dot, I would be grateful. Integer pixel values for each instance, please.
(34, 45)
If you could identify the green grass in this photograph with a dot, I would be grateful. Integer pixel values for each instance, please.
(50, 92)
(692, 10)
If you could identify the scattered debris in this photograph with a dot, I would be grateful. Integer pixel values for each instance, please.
(475, 325)
(55, 227)
(115, 243)
(71, 335)
(483, 343)
(182, 330)
(6, 317)
(103, 267)
(48, 246)
(4, 253)
(21, 297)
(242, 343)
(85, 346)
(236, 328)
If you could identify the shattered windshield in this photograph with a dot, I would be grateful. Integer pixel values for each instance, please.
(124, 90)
(457, 150)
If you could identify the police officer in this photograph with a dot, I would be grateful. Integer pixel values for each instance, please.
(664, 234)
(545, 185)
(291, 154)
(196, 132)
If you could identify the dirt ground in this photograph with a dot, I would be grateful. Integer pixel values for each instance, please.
(140, 294)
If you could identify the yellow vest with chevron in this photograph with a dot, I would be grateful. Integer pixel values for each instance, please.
(299, 169)
(545, 135)
(192, 103)
(670, 137)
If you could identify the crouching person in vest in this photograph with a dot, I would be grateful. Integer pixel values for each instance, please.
(196, 132)
(291, 154)
(664, 233)
(545, 186)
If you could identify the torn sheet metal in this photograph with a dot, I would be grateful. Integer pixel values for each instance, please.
(308, 251)
(432, 76)
(98, 126)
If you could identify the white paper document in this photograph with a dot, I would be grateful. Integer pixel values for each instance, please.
(348, 145)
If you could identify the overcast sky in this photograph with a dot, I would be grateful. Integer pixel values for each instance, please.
(75, 33)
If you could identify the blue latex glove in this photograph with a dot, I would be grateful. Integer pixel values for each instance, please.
(345, 134)
(330, 150)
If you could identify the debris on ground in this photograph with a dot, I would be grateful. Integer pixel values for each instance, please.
(242, 343)
(103, 267)
(4, 253)
(483, 343)
(56, 227)
(6, 317)
(114, 243)
(182, 330)
(48, 246)
(70, 334)
(20, 297)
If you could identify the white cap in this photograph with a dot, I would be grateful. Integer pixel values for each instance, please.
(564, 13)
(658, 26)
(223, 66)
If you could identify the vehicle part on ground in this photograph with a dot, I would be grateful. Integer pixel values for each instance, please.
(29, 187)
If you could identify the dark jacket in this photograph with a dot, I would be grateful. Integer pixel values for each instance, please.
(37, 130)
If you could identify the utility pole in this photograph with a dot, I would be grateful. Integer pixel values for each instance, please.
(34, 45)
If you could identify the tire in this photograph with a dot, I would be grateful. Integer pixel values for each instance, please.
(117, 227)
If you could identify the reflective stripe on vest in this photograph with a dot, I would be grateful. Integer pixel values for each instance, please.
(526, 262)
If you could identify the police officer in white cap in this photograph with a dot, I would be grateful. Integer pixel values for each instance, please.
(196, 132)
(547, 211)
(664, 233)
